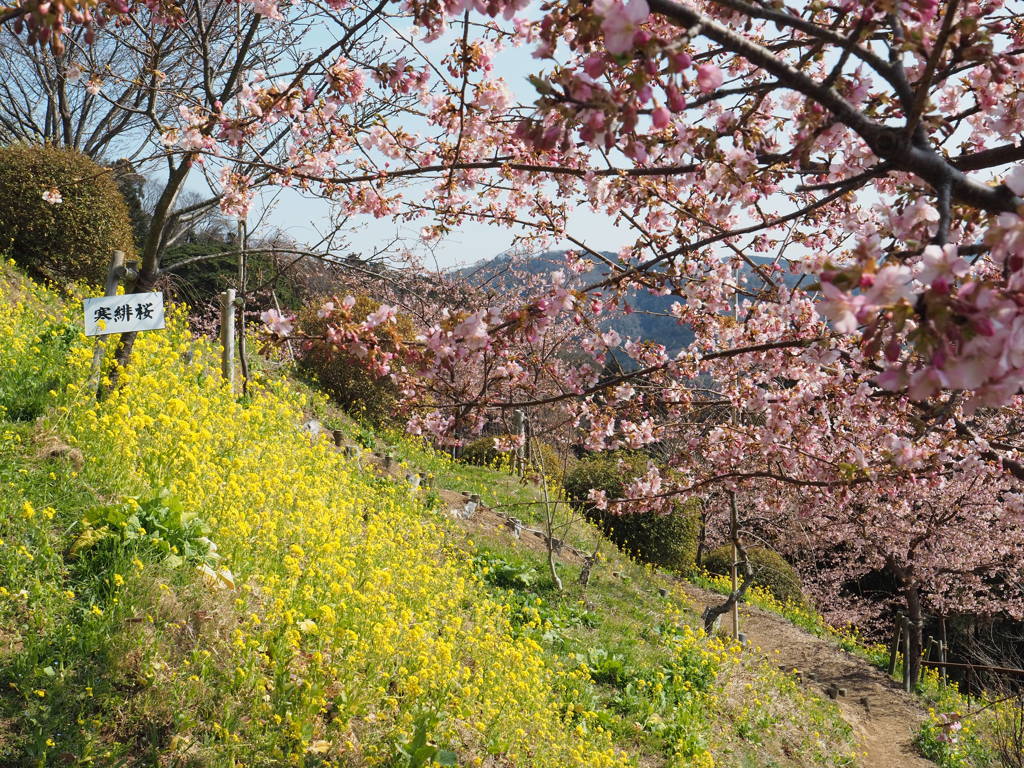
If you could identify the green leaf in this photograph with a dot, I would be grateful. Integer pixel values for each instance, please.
(85, 539)
(173, 561)
(423, 754)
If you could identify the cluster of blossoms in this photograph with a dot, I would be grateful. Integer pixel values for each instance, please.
(626, 81)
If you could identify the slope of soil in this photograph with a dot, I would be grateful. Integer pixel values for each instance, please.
(883, 717)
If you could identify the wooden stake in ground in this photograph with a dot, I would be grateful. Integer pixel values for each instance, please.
(905, 621)
(227, 335)
(521, 451)
(114, 274)
(243, 357)
(549, 513)
(943, 646)
(713, 612)
(894, 646)
(734, 534)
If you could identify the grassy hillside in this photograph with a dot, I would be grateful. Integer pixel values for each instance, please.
(187, 579)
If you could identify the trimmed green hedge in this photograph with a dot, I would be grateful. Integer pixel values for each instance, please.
(668, 540)
(67, 240)
(771, 571)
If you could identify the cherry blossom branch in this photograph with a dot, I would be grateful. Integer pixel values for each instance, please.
(624, 377)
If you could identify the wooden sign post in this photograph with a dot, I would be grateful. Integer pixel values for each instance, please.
(127, 313)
(109, 314)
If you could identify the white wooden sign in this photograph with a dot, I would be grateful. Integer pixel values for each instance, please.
(121, 314)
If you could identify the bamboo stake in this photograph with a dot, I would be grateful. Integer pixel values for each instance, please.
(906, 653)
(243, 357)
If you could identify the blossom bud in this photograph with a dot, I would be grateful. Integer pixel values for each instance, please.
(549, 140)
(709, 77)
(983, 325)
(660, 117)
(680, 61)
(595, 65)
(676, 102)
(892, 350)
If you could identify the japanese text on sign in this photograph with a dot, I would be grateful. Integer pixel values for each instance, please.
(122, 314)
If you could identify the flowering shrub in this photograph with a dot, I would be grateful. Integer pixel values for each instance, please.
(342, 375)
(960, 733)
(354, 621)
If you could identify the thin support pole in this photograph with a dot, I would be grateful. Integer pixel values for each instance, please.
(894, 646)
(906, 654)
(943, 647)
(114, 274)
(734, 532)
(227, 335)
(931, 645)
(522, 449)
(243, 357)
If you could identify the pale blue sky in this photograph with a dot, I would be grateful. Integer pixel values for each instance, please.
(305, 217)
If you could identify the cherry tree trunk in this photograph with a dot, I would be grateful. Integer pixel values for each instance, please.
(914, 613)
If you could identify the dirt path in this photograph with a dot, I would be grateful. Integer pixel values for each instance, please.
(883, 717)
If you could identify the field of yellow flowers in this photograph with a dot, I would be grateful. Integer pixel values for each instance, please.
(186, 578)
(334, 629)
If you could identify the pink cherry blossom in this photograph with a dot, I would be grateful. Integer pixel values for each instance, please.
(621, 21)
(383, 314)
(709, 77)
(278, 324)
(660, 117)
(267, 8)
